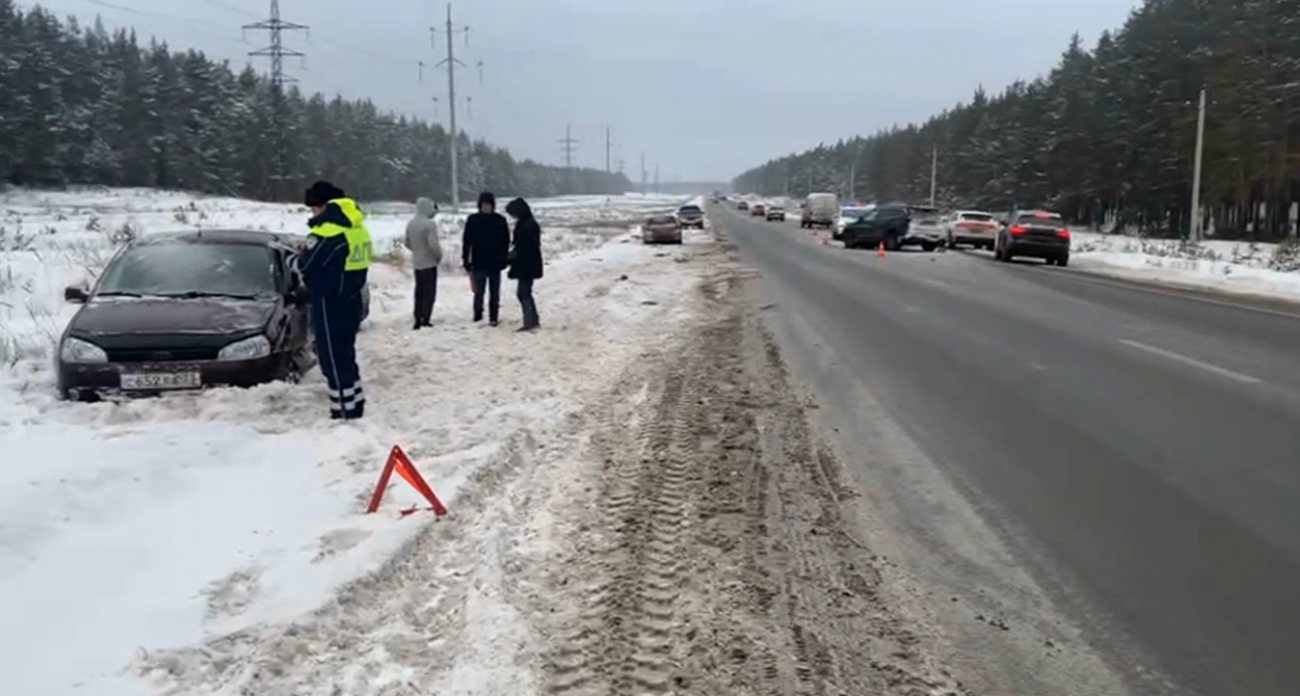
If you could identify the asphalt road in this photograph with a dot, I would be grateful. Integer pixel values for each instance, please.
(1137, 449)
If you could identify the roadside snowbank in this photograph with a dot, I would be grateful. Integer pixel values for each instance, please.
(214, 542)
(1234, 267)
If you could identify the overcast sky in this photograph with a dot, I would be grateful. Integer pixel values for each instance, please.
(706, 88)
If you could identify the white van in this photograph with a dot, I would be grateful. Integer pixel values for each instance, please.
(820, 209)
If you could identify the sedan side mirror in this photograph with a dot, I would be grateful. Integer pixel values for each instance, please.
(75, 294)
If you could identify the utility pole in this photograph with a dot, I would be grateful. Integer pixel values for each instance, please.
(568, 143)
(934, 173)
(656, 177)
(1196, 170)
(644, 188)
(279, 113)
(451, 62)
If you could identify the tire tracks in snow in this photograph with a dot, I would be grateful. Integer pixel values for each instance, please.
(715, 555)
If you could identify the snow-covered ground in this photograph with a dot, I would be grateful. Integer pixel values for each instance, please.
(1237, 267)
(208, 543)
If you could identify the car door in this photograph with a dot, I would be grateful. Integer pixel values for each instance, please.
(298, 322)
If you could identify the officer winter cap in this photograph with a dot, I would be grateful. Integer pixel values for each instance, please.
(488, 198)
(322, 192)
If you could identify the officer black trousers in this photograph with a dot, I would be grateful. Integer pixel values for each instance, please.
(335, 322)
(426, 293)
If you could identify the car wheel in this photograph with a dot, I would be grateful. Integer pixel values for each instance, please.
(927, 246)
(1063, 261)
(892, 243)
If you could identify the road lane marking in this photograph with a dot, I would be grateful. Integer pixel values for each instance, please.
(936, 283)
(1178, 357)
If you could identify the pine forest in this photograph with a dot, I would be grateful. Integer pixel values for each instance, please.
(86, 106)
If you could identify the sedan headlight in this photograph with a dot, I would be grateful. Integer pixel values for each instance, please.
(247, 349)
(77, 351)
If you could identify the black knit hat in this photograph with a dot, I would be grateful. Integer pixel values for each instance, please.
(322, 192)
(487, 197)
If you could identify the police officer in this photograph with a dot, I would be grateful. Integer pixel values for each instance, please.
(334, 263)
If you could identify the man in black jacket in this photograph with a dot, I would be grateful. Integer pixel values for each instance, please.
(484, 248)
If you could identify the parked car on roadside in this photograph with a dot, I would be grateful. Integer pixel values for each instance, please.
(690, 216)
(775, 213)
(661, 229)
(973, 227)
(924, 229)
(1036, 234)
(848, 214)
(187, 310)
(820, 209)
(885, 224)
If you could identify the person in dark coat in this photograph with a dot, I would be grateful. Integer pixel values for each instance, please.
(525, 259)
(484, 249)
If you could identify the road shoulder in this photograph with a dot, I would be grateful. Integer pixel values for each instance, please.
(717, 550)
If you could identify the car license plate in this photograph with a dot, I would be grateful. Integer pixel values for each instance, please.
(161, 380)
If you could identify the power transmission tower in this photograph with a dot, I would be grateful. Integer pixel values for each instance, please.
(568, 143)
(619, 165)
(656, 177)
(279, 111)
(451, 62)
(644, 188)
(608, 147)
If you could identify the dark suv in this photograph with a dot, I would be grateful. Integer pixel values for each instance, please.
(1036, 234)
(886, 223)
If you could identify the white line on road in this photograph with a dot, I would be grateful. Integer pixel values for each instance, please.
(1224, 372)
(936, 283)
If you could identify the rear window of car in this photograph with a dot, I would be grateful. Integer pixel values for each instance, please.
(977, 217)
(690, 209)
(927, 220)
(181, 268)
(1036, 221)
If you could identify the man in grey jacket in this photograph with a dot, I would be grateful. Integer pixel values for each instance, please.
(426, 254)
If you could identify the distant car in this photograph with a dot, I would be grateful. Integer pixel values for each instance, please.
(775, 213)
(924, 229)
(690, 216)
(661, 229)
(820, 209)
(187, 310)
(758, 210)
(1036, 234)
(847, 215)
(973, 227)
(742, 206)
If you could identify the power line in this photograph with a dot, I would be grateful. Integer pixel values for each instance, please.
(276, 51)
(171, 19)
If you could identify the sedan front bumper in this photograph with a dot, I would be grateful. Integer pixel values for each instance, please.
(89, 381)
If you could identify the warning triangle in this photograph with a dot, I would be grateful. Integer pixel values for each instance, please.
(402, 464)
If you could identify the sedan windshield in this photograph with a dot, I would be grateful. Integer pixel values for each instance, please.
(191, 270)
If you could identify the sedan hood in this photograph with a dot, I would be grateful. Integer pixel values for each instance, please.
(211, 316)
